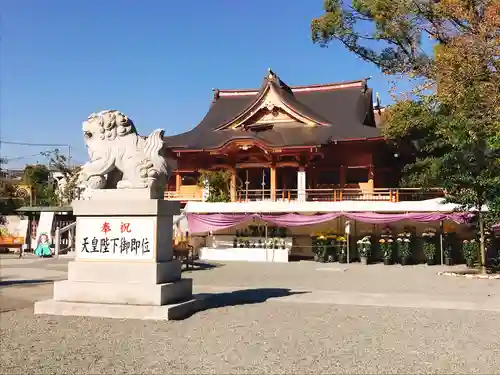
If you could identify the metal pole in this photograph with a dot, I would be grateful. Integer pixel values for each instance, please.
(69, 156)
(71, 243)
(265, 240)
(348, 244)
(441, 241)
(347, 231)
(263, 184)
(246, 186)
(57, 242)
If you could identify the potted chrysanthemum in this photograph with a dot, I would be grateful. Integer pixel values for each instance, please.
(429, 236)
(364, 249)
(404, 247)
(449, 240)
(470, 250)
(331, 243)
(321, 248)
(386, 243)
(315, 242)
(386, 248)
(342, 249)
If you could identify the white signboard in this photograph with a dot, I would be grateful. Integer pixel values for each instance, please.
(117, 238)
(44, 226)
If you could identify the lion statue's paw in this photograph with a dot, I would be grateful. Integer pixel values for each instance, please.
(96, 182)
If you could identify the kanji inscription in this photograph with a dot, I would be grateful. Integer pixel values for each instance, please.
(116, 238)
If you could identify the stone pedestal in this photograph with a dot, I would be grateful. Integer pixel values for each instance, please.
(123, 266)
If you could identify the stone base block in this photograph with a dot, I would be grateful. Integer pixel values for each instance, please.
(124, 272)
(123, 202)
(168, 312)
(125, 194)
(123, 293)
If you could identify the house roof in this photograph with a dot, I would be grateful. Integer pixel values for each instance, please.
(337, 111)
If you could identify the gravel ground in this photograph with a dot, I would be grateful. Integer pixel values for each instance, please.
(375, 278)
(273, 336)
(258, 338)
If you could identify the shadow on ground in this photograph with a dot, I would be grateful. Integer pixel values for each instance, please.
(244, 297)
(201, 266)
(24, 282)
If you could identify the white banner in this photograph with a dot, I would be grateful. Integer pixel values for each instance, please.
(44, 226)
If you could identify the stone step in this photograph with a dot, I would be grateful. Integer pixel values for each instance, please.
(123, 293)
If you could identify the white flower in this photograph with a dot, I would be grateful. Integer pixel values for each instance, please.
(406, 240)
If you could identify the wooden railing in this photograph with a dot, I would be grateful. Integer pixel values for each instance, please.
(321, 195)
(70, 240)
(334, 195)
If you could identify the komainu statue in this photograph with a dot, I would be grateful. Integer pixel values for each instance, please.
(119, 157)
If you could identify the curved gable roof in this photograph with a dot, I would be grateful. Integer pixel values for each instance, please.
(346, 110)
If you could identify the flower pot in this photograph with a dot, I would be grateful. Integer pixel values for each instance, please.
(364, 260)
(342, 259)
(448, 261)
(388, 261)
(431, 262)
(469, 263)
(316, 257)
(330, 259)
(405, 261)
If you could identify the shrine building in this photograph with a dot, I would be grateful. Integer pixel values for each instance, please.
(318, 142)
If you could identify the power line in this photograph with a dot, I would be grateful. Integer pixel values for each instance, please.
(35, 144)
(17, 158)
(41, 145)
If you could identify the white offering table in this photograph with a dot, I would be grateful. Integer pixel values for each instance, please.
(221, 248)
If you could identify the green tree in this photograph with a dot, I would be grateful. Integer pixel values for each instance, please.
(8, 197)
(68, 190)
(448, 126)
(36, 174)
(218, 184)
(38, 178)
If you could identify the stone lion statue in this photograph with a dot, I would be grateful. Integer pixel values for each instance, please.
(119, 157)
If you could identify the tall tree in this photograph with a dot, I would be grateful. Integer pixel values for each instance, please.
(37, 176)
(392, 33)
(67, 188)
(449, 124)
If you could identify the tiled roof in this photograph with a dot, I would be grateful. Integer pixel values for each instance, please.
(343, 111)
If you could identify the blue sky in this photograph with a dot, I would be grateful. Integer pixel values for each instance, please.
(157, 62)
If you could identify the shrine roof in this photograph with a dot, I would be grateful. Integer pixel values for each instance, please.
(333, 112)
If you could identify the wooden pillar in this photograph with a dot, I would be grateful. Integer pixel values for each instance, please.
(178, 182)
(233, 185)
(273, 182)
